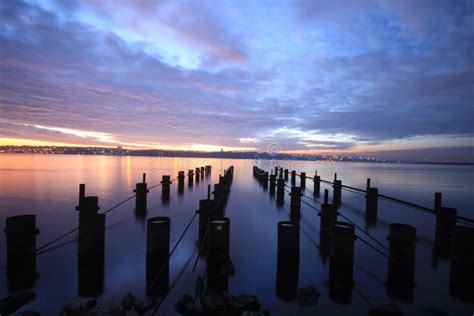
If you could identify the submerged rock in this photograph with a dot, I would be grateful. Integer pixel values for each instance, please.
(212, 303)
(243, 303)
(13, 302)
(109, 308)
(182, 305)
(308, 296)
(141, 308)
(129, 301)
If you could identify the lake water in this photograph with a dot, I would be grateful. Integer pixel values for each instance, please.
(47, 186)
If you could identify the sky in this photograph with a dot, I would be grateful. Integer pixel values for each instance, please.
(305, 76)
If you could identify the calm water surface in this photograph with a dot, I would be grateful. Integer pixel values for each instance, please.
(47, 186)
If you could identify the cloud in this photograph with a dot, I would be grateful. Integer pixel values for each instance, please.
(381, 78)
(197, 24)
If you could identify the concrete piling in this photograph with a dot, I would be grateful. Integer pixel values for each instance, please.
(295, 203)
(341, 264)
(157, 253)
(190, 177)
(21, 235)
(371, 203)
(165, 187)
(280, 192)
(401, 265)
(218, 253)
(316, 183)
(303, 180)
(293, 178)
(288, 258)
(461, 281)
(141, 192)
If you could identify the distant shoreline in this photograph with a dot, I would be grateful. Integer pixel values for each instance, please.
(246, 156)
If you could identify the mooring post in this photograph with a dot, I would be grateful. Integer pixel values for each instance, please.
(91, 228)
(208, 170)
(316, 183)
(165, 187)
(328, 219)
(461, 280)
(141, 192)
(401, 263)
(90, 275)
(295, 203)
(288, 258)
(303, 180)
(286, 174)
(371, 203)
(208, 191)
(206, 210)
(218, 253)
(276, 171)
(197, 174)
(157, 253)
(293, 178)
(202, 173)
(280, 192)
(341, 263)
(265, 179)
(438, 201)
(180, 181)
(190, 177)
(446, 219)
(21, 235)
(82, 194)
(272, 184)
(337, 191)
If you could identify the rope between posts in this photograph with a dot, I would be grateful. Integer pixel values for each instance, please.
(77, 228)
(464, 220)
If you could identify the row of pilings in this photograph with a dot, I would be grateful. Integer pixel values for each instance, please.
(21, 234)
(337, 239)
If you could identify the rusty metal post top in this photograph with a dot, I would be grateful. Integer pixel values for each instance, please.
(144, 178)
(335, 176)
(326, 196)
(368, 183)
